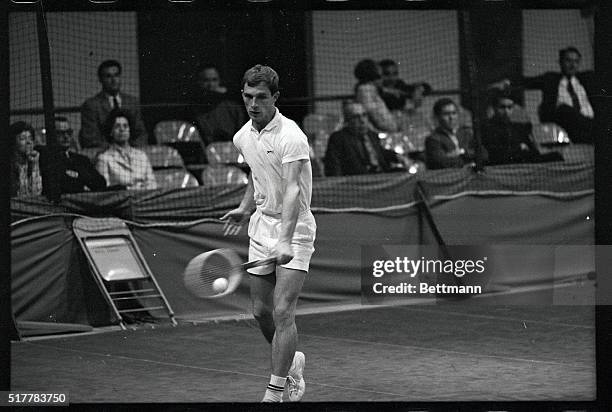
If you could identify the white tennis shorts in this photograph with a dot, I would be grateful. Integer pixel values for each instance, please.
(264, 231)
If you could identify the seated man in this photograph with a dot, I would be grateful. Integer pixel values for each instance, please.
(355, 149)
(96, 109)
(217, 116)
(64, 171)
(507, 141)
(449, 145)
(566, 95)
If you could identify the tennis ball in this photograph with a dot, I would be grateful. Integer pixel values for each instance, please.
(219, 285)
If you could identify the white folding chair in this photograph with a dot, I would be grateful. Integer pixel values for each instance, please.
(119, 268)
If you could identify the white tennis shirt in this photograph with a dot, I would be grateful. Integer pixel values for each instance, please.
(280, 142)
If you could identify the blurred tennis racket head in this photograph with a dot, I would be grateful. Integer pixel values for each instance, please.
(202, 271)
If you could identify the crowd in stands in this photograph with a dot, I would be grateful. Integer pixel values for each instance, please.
(384, 105)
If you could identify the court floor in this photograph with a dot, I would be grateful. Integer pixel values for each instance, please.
(442, 352)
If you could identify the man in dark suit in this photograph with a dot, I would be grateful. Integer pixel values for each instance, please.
(64, 171)
(95, 110)
(565, 96)
(507, 141)
(217, 115)
(449, 146)
(355, 149)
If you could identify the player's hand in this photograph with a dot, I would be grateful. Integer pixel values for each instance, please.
(284, 253)
(234, 219)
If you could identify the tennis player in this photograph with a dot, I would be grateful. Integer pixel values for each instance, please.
(277, 199)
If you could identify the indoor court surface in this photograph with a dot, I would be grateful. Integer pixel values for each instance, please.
(443, 352)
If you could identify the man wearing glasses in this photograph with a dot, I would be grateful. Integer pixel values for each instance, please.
(64, 171)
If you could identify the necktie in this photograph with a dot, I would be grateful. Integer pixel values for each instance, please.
(573, 95)
(115, 102)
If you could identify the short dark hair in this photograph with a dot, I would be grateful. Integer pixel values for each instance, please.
(107, 128)
(440, 103)
(261, 74)
(569, 49)
(498, 95)
(366, 70)
(203, 66)
(108, 63)
(387, 62)
(20, 127)
(16, 129)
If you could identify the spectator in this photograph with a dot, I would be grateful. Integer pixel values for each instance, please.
(121, 164)
(25, 170)
(64, 171)
(449, 145)
(394, 91)
(413, 114)
(217, 116)
(565, 96)
(407, 98)
(367, 92)
(96, 109)
(354, 149)
(504, 140)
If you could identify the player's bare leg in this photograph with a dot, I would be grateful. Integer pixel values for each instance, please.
(285, 360)
(274, 300)
(262, 300)
(288, 286)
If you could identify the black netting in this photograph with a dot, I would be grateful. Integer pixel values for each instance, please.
(193, 182)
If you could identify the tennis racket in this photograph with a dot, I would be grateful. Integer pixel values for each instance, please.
(202, 274)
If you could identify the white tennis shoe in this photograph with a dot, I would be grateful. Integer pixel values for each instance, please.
(296, 386)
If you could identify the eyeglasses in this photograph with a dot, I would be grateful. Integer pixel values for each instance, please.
(67, 132)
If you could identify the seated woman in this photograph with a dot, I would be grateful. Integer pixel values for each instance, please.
(25, 171)
(367, 92)
(121, 164)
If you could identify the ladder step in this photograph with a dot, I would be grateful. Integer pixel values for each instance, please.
(131, 292)
(137, 297)
(142, 309)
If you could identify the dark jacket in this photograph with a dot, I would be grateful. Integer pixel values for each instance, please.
(94, 112)
(439, 149)
(503, 142)
(67, 174)
(347, 155)
(548, 83)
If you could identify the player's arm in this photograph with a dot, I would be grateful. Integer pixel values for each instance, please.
(246, 207)
(290, 210)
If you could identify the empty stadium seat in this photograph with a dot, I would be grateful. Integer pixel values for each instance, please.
(318, 128)
(174, 179)
(223, 153)
(222, 175)
(550, 134)
(163, 156)
(170, 131)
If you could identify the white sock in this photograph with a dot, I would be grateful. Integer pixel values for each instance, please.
(274, 391)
